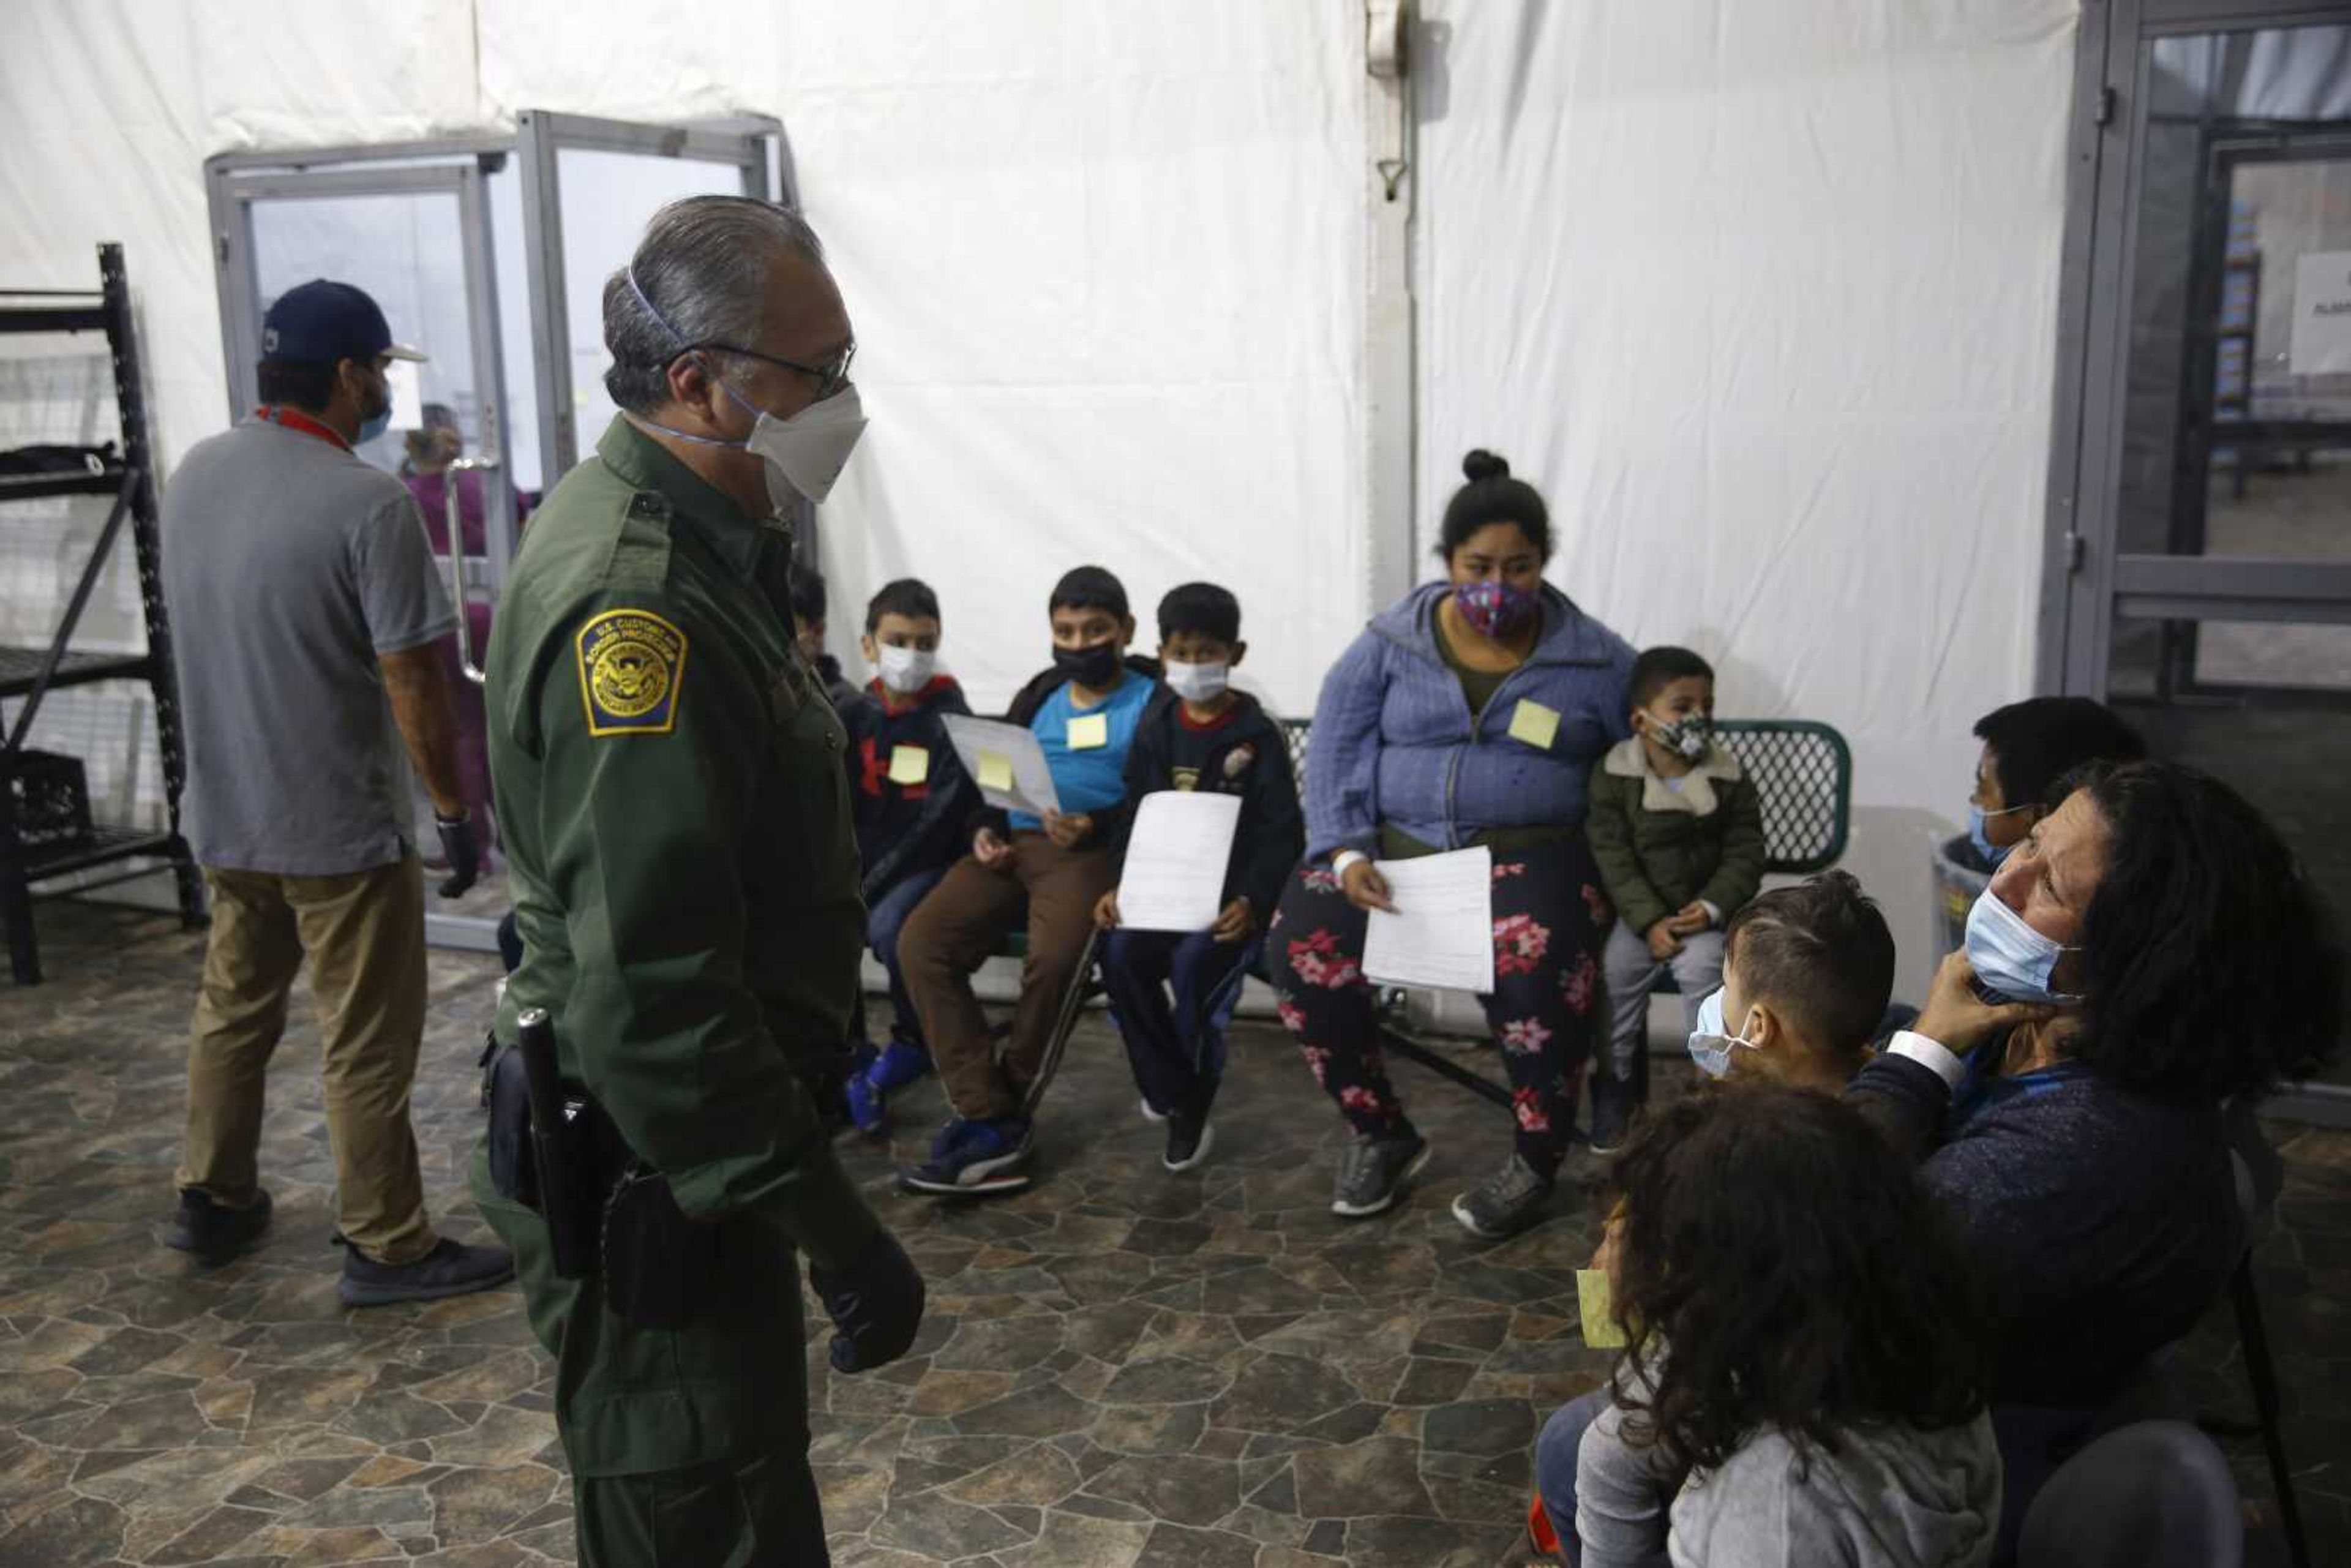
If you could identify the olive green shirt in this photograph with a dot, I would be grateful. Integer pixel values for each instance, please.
(669, 787)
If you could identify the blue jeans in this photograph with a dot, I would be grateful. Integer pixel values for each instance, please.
(1177, 1052)
(883, 924)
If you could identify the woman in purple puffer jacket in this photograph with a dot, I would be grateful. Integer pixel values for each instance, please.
(1469, 713)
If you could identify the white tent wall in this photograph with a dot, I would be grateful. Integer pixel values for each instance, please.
(1762, 294)
(1762, 297)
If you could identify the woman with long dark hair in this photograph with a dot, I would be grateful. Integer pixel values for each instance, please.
(2149, 952)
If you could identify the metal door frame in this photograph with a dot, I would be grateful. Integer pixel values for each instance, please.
(540, 139)
(2086, 585)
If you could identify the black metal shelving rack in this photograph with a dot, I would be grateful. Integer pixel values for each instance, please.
(28, 676)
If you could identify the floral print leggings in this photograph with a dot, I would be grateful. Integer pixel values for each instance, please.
(1549, 921)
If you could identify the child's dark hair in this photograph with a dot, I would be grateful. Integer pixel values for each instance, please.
(1819, 952)
(807, 594)
(1089, 588)
(1202, 607)
(1491, 495)
(908, 596)
(1782, 1267)
(2211, 966)
(1658, 668)
(2035, 743)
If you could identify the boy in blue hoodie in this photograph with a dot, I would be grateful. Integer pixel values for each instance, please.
(1084, 710)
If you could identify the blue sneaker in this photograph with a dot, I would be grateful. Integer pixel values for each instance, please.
(898, 1065)
(969, 1158)
(864, 1105)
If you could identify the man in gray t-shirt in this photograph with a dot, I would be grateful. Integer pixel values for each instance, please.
(306, 616)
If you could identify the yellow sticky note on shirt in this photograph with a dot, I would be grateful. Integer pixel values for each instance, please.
(1089, 731)
(1597, 1302)
(1534, 725)
(909, 764)
(995, 771)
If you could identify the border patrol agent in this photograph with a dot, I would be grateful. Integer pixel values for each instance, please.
(685, 885)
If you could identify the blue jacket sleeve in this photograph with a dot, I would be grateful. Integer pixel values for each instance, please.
(1343, 757)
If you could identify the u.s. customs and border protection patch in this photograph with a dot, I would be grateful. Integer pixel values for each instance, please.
(632, 672)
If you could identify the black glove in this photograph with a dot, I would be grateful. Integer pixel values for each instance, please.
(876, 1304)
(463, 851)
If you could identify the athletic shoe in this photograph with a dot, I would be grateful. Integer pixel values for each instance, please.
(1505, 1203)
(975, 1157)
(1148, 1113)
(451, 1268)
(1189, 1139)
(214, 1231)
(1614, 1105)
(1372, 1170)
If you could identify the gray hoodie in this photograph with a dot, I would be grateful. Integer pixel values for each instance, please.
(1892, 1497)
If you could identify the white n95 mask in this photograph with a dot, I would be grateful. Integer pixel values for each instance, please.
(2010, 957)
(806, 452)
(1197, 683)
(905, 670)
(1710, 1047)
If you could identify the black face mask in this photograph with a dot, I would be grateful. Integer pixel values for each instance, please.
(1093, 667)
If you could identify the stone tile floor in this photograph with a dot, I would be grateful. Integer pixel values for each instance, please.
(1120, 1365)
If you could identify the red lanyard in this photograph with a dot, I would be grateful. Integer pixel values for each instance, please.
(295, 419)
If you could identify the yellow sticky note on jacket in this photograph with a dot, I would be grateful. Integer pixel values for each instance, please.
(1534, 725)
(1597, 1302)
(1089, 731)
(909, 764)
(995, 771)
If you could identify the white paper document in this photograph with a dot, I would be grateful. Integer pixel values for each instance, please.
(1006, 762)
(1442, 932)
(1175, 859)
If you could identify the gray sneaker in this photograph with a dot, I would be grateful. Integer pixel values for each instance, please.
(1373, 1169)
(1505, 1203)
(451, 1268)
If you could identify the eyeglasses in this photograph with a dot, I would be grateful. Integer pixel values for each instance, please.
(831, 376)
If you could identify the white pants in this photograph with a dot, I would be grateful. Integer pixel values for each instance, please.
(1697, 969)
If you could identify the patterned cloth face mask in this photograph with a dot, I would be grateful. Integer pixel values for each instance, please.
(1494, 607)
(1688, 736)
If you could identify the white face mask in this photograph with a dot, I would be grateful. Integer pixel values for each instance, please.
(2010, 957)
(1197, 683)
(905, 670)
(1709, 1046)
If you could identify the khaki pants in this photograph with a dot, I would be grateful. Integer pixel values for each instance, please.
(364, 932)
(957, 926)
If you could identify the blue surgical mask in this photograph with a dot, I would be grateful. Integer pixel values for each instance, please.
(1978, 820)
(2010, 957)
(371, 428)
(1709, 1046)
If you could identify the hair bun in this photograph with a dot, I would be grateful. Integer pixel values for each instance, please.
(1482, 464)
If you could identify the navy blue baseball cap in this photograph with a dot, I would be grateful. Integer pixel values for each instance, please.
(322, 322)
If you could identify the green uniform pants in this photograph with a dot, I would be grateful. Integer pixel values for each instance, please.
(756, 1513)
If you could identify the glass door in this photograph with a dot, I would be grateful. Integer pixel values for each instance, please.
(418, 239)
(2208, 579)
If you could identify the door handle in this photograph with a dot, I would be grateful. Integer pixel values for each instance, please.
(454, 518)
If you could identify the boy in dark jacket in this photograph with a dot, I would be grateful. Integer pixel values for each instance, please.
(1677, 830)
(1200, 735)
(1084, 711)
(909, 801)
(808, 626)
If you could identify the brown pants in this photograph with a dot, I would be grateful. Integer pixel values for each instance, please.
(954, 930)
(365, 934)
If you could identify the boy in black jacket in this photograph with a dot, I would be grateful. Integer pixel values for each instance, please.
(1084, 711)
(909, 801)
(1200, 734)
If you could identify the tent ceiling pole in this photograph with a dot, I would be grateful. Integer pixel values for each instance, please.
(1388, 424)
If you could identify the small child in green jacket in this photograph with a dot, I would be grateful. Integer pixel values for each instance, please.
(1678, 830)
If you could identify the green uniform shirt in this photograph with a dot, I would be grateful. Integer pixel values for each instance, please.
(674, 810)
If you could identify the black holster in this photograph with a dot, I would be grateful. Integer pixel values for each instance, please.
(607, 1212)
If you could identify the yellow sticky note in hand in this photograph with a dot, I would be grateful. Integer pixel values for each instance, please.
(1534, 725)
(909, 764)
(1597, 1302)
(995, 771)
(1089, 731)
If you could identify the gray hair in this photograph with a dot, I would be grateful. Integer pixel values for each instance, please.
(703, 267)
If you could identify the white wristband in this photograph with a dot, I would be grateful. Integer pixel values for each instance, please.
(1345, 858)
(1930, 1054)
